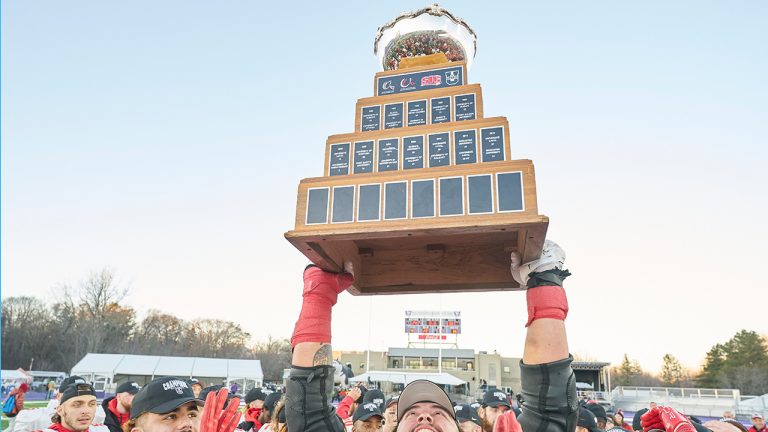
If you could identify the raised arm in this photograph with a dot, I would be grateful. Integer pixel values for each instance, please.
(310, 386)
(548, 382)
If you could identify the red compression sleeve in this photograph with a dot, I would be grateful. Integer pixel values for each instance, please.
(546, 302)
(321, 289)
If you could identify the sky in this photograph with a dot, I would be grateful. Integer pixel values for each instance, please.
(166, 140)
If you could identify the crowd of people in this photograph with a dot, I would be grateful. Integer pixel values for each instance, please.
(547, 403)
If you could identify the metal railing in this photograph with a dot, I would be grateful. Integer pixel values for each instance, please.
(675, 392)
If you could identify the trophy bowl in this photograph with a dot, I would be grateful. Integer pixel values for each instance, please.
(431, 31)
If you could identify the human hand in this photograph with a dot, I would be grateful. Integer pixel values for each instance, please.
(355, 393)
(666, 418)
(507, 422)
(215, 417)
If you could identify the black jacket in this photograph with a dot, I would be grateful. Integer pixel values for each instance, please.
(111, 421)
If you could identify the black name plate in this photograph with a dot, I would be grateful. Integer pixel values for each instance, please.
(370, 118)
(439, 150)
(363, 157)
(492, 139)
(388, 154)
(465, 146)
(393, 115)
(339, 160)
(413, 152)
(417, 113)
(441, 109)
(465, 107)
(424, 80)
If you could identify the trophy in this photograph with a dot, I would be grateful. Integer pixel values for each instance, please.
(424, 195)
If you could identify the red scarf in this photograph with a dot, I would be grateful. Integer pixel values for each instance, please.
(121, 418)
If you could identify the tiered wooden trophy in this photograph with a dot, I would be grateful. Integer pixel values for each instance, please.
(424, 196)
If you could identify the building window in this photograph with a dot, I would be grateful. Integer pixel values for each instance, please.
(396, 364)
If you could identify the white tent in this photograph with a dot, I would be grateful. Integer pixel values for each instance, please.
(407, 377)
(108, 370)
(15, 377)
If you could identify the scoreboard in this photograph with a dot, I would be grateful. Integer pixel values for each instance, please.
(432, 323)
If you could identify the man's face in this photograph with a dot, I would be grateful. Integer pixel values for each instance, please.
(77, 413)
(125, 399)
(427, 416)
(196, 389)
(489, 415)
(652, 404)
(390, 416)
(184, 418)
(371, 424)
(258, 403)
(758, 422)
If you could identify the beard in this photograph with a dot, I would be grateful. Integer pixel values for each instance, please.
(72, 424)
(486, 425)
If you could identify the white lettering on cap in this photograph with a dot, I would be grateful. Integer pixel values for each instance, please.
(458, 408)
(500, 395)
(378, 401)
(370, 406)
(177, 385)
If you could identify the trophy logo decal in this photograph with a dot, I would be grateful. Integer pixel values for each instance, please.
(452, 77)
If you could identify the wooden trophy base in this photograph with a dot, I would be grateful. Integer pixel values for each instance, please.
(446, 259)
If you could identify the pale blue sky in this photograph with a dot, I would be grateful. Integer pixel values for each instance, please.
(167, 139)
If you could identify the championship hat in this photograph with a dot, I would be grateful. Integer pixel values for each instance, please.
(365, 411)
(162, 395)
(496, 397)
(375, 396)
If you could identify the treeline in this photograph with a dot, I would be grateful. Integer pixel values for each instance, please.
(92, 318)
(740, 363)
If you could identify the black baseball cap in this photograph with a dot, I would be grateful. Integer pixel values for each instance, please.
(271, 400)
(423, 391)
(465, 412)
(598, 411)
(77, 389)
(255, 394)
(131, 387)
(193, 381)
(74, 379)
(365, 411)
(496, 397)
(375, 396)
(588, 420)
(390, 401)
(162, 395)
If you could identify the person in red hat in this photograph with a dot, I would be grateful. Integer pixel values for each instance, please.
(548, 381)
(17, 393)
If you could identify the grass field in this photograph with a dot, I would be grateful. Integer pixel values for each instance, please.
(30, 404)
